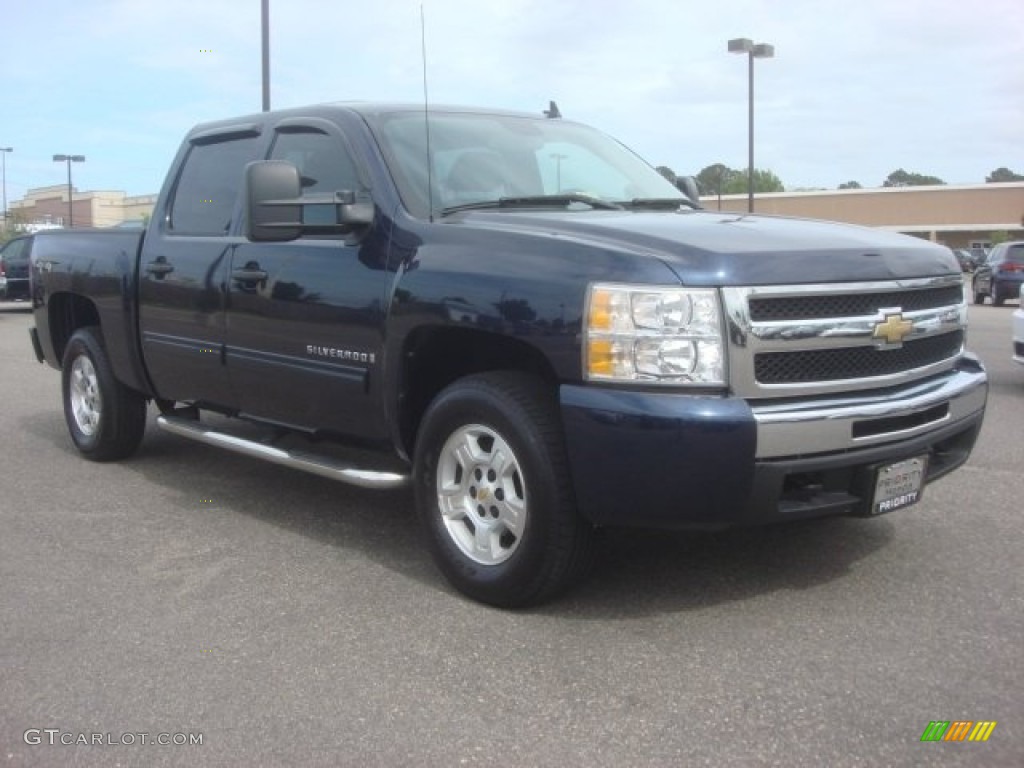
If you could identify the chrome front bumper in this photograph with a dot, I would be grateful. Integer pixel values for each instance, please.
(836, 424)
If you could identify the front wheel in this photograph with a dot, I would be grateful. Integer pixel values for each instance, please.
(493, 491)
(106, 419)
(979, 296)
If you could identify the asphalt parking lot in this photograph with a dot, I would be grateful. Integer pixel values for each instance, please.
(288, 620)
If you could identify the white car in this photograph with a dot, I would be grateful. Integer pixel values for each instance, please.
(1018, 330)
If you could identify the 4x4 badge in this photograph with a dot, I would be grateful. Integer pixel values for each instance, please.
(893, 329)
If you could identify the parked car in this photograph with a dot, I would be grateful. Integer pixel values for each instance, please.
(1018, 330)
(1002, 274)
(14, 269)
(968, 260)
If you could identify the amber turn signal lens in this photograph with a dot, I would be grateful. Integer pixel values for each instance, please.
(601, 311)
(599, 357)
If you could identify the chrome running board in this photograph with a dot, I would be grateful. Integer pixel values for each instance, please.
(307, 462)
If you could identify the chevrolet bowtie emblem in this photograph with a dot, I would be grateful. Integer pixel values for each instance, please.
(893, 329)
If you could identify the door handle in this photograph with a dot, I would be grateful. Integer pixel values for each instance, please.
(249, 275)
(159, 268)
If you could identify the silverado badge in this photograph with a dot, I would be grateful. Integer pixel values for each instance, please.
(341, 354)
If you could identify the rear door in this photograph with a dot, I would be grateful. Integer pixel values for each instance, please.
(184, 268)
(305, 320)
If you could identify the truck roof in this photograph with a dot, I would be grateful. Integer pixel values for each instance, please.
(364, 108)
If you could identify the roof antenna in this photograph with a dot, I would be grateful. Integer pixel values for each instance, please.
(552, 111)
(426, 115)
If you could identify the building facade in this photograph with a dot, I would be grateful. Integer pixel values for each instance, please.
(962, 216)
(48, 206)
(966, 216)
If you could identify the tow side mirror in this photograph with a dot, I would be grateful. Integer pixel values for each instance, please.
(688, 186)
(352, 215)
(276, 209)
(272, 191)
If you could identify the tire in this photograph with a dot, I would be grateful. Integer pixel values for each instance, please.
(979, 297)
(997, 298)
(493, 491)
(106, 419)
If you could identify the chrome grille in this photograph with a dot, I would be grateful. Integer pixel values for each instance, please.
(850, 305)
(829, 338)
(854, 362)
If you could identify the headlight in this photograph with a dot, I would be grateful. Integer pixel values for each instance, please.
(653, 335)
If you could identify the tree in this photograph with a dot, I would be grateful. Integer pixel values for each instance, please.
(712, 179)
(1002, 174)
(850, 185)
(14, 226)
(902, 178)
(667, 172)
(764, 181)
(720, 179)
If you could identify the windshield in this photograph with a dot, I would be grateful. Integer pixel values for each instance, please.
(487, 157)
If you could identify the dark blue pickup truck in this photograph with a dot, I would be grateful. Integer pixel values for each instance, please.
(520, 317)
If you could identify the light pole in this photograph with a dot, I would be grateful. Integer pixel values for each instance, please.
(3, 160)
(753, 51)
(558, 158)
(265, 47)
(69, 159)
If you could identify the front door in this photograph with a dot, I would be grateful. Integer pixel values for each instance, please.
(305, 318)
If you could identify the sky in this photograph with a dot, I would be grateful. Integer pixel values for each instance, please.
(857, 88)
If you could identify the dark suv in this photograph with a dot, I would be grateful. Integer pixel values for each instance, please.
(968, 260)
(14, 269)
(1001, 275)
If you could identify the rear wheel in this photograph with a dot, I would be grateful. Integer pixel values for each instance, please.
(494, 494)
(106, 420)
(998, 298)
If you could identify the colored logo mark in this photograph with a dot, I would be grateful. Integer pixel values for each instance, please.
(958, 730)
(893, 329)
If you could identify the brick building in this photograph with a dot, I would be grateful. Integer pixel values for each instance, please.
(49, 205)
(960, 216)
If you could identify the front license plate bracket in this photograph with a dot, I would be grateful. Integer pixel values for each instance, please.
(898, 485)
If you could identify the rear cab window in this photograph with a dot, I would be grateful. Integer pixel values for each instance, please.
(1015, 253)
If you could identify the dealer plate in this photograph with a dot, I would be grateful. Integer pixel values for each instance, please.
(899, 485)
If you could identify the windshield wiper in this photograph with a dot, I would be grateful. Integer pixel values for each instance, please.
(658, 203)
(530, 201)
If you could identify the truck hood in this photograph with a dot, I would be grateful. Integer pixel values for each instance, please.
(707, 248)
